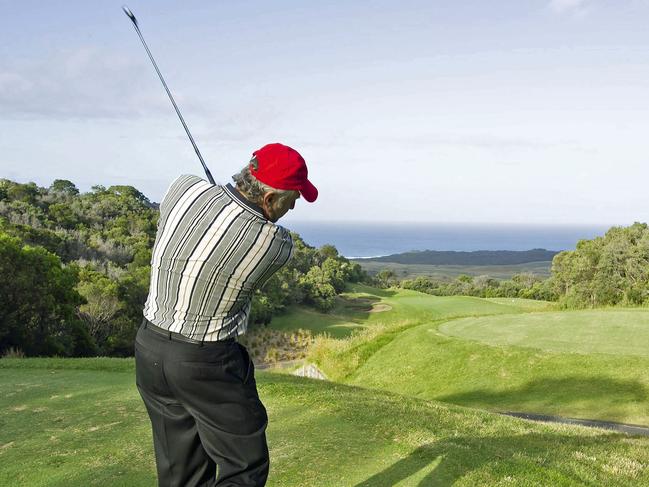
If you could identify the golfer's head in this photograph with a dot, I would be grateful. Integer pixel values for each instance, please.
(274, 179)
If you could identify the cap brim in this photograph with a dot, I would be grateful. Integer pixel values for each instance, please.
(309, 192)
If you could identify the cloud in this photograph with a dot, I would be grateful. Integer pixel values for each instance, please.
(79, 84)
(562, 6)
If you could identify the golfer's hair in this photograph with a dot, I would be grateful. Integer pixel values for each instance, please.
(253, 187)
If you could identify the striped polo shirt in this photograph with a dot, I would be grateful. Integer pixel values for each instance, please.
(212, 250)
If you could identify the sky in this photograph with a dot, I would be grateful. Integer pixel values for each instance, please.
(532, 111)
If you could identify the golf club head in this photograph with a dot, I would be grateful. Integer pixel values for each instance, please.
(128, 12)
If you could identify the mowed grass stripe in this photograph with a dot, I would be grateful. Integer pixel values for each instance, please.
(424, 363)
(67, 427)
(614, 331)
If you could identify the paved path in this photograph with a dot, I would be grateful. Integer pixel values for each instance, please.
(631, 429)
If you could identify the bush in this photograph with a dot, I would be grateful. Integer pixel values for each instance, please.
(608, 270)
(37, 312)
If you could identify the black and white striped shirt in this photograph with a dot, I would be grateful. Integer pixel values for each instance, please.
(212, 250)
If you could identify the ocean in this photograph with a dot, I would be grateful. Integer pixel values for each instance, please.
(376, 239)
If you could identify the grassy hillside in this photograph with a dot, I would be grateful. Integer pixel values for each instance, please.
(408, 350)
(424, 363)
(79, 423)
(365, 307)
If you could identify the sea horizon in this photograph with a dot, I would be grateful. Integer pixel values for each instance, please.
(355, 240)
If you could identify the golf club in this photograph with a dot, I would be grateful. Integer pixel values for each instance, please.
(128, 12)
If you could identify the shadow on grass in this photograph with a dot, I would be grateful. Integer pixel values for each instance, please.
(374, 291)
(538, 458)
(472, 451)
(348, 314)
(602, 394)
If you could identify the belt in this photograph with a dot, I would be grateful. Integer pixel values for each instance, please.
(173, 336)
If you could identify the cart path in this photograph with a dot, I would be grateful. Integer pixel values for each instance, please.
(631, 429)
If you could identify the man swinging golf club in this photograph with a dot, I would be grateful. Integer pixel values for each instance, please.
(215, 245)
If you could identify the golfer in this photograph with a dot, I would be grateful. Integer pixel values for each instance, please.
(215, 245)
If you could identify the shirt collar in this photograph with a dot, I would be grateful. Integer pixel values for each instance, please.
(253, 207)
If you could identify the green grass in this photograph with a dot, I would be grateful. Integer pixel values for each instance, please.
(404, 351)
(614, 331)
(336, 324)
(352, 310)
(424, 363)
(87, 363)
(524, 304)
(67, 427)
(81, 422)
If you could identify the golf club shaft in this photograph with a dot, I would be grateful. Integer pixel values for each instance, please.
(130, 15)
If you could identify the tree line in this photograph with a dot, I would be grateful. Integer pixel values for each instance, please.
(610, 270)
(75, 269)
(524, 285)
(476, 257)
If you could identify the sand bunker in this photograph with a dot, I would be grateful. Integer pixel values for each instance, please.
(377, 308)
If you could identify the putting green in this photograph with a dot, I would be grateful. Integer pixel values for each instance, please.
(619, 332)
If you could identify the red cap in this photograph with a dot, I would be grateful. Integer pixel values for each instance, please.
(281, 167)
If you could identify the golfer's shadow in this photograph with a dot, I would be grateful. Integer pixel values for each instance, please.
(591, 393)
(425, 457)
(444, 462)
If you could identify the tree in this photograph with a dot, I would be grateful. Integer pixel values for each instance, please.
(327, 251)
(334, 271)
(303, 254)
(386, 278)
(63, 187)
(35, 236)
(37, 309)
(62, 215)
(318, 289)
(608, 270)
(26, 193)
(261, 309)
(101, 307)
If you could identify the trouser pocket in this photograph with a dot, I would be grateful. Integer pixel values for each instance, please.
(248, 368)
(149, 374)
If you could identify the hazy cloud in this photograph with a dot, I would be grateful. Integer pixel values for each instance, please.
(561, 6)
(83, 83)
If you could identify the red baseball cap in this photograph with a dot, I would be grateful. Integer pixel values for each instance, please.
(281, 167)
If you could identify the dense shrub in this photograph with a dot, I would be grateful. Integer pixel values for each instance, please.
(608, 270)
(519, 286)
(39, 300)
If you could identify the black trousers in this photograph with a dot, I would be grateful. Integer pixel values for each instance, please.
(205, 411)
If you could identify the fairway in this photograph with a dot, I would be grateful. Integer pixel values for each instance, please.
(410, 350)
(420, 361)
(618, 332)
(65, 425)
(356, 310)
